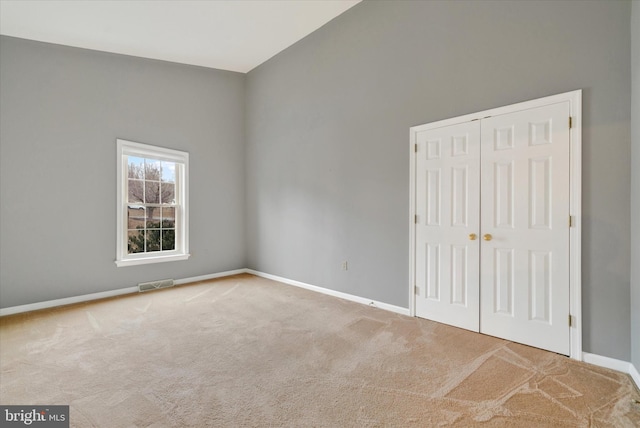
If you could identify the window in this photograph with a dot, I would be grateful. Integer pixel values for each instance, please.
(152, 204)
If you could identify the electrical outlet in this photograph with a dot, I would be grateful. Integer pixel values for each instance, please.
(344, 265)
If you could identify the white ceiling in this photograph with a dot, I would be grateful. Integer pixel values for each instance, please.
(235, 35)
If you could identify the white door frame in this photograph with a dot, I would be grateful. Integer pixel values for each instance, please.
(575, 204)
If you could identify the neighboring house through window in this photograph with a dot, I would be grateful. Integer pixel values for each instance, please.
(152, 204)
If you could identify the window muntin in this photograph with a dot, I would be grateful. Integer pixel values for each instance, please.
(152, 204)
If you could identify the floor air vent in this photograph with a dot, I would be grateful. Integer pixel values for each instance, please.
(154, 285)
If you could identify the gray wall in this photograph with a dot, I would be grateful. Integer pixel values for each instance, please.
(635, 185)
(327, 155)
(61, 110)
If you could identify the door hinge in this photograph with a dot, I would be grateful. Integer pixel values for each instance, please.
(415, 219)
(570, 221)
(570, 122)
(570, 321)
(415, 148)
(416, 290)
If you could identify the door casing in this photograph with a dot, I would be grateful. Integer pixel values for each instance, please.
(575, 134)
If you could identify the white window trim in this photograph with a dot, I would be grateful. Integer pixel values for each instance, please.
(129, 148)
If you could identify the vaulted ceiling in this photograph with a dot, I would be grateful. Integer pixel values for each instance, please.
(236, 35)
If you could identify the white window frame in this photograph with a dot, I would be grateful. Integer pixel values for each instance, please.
(181, 252)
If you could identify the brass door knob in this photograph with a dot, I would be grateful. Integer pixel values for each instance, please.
(472, 236)
(487, 237)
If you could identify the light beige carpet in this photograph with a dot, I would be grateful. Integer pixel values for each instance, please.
(245, 351)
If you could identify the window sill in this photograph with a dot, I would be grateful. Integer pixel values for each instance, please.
(150, 260)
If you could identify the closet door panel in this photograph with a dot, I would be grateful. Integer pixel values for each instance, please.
(447, 207)
(524, 283)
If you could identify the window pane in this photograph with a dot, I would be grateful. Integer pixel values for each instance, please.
(168, 240)
(169, 172)
(152, 169)
(153, 240)
(168, 193)
(136, 241)
(168, 217)
(136, 167)
(153, 218)
(152, 192)
(135, 217)
(136, 191)
(155, 186)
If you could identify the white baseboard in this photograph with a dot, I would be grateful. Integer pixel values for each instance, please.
(633, 372)
(606, 362)
(341, 295)
(208, 277)
(105, 294)
(102, 295)
(613, 364)
(66, 301)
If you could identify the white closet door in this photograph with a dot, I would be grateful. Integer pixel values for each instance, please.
(447, 207)
(524, 282)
